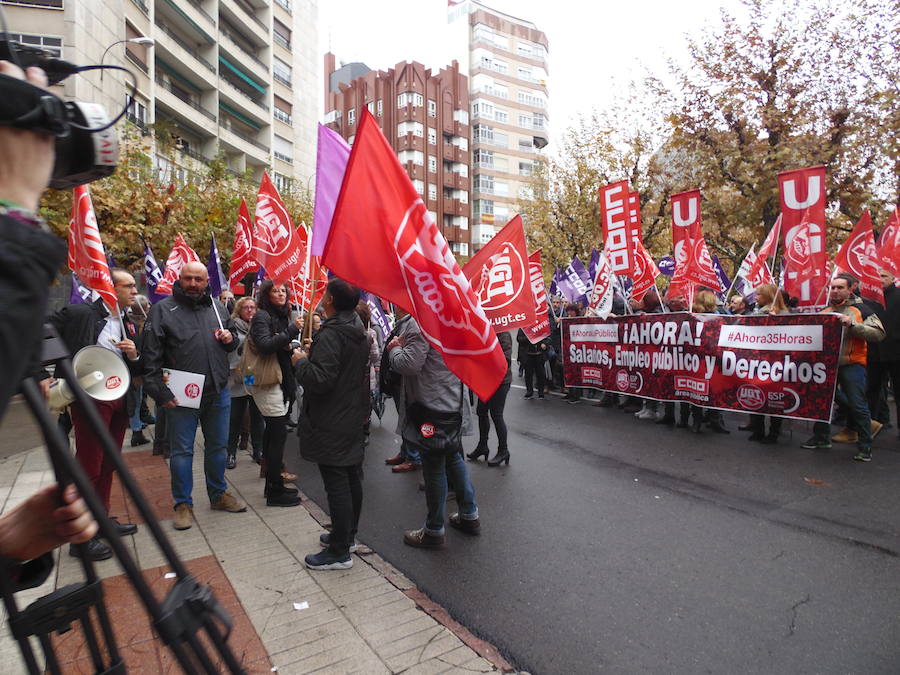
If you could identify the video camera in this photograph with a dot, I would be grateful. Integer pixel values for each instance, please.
(87, 147)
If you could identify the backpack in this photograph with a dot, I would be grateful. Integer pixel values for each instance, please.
(389, 380)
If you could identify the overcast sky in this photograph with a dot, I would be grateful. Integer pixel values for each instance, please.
(592, 45)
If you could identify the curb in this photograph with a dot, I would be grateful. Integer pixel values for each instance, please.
(396, 578)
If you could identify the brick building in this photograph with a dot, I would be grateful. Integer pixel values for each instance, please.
(425, 118)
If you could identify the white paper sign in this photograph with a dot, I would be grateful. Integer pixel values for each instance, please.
(187, 387)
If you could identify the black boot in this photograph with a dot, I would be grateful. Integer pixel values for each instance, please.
(481, 450)
(501, 456)
(230, 460)
(277, 494)
(138, 438)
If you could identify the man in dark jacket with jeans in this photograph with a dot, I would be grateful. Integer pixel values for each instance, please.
(335, 380)
(184, 333)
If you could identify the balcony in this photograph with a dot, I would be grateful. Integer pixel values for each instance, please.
(190, 15)
(233, 140)
(240, 56)
(241, 14)
(248, 104)
(172, 48)
(185, 107)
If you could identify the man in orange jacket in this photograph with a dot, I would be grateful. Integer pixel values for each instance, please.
(851, 390)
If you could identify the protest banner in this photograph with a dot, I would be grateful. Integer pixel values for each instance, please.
(769, 365)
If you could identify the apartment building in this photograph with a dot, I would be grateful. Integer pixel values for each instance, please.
(230, 76)
(425, 118)
(509, 101)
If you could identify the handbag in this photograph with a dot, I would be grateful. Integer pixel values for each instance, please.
(258, 370)
(434, 429)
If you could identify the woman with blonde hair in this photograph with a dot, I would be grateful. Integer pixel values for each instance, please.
(241, 401)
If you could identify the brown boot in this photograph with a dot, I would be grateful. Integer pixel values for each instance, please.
(184, 517)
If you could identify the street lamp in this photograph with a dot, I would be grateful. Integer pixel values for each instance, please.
(144, 41)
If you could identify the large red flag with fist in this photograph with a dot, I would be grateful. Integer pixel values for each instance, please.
(275, 243)
(86, 255)
(180, 255)
(499, 275)
(858, 256)
(383, 240)
(242, 260)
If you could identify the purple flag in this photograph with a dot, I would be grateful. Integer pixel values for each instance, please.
(80, 294)
(260, 276)
(217, 280)
(153, 273)
(575, 282)
(554, 283)
(380, 320)
(724, 281)
(111, 261)
(666, 265)
(594, 261)
(332, 154)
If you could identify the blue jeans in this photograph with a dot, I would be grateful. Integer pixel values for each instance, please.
(213, 417)
(436, 467)
(134, 422)
(851, 393)
(409, 452)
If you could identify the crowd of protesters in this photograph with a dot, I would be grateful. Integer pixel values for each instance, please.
(869, 363)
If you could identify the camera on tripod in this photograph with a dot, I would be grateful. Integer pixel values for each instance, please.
(87, 147)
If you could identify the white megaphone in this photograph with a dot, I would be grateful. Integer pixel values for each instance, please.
(100, 372)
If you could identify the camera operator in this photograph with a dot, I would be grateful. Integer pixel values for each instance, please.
(29, 259)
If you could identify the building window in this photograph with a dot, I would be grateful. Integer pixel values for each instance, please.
(419, 186)
(483, 132)
(483, 207)
(526, 145)
(281, 34)
(460, 142)
(281, 71)
(432, 136)
(286, 4)
(432, 216)
(53, 45)
(378, 107)
(351, 139)
(282, 182)
(414, 156)
(461, 116)
(332, 116)
(410, 97)
(533, 99)
(432, 191)
(526, 169)
(484, 158)
(351, 116)
(410, 127)
(370, 106)
(432, 108)
(484, 183)
(461, 169)
(137, 113)
(501, 116)
(283, 149)
(432, 164)
(283, 111)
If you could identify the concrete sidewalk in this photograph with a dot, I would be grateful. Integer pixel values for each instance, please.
(368, 619)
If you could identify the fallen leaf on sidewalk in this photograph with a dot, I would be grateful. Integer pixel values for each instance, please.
(816, 481)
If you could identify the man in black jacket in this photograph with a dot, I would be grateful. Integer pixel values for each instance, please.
(884, 356)
(80, 326)
(183, 333)
(335, 379)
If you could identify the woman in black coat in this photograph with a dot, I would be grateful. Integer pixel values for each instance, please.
(272, 332)
(494, 407)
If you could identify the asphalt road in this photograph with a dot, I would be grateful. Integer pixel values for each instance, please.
(614, 545)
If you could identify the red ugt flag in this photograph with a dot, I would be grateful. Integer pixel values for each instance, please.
(798, 264)
(693, 263)
(242, 260)
(499, 276)
(889, 244)
(383, 240)
(758, 272)
(180, 255)
(802, 195)
(275, 243)
(645, 272)
(541, 327)
(87, 258)
(858, 256)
